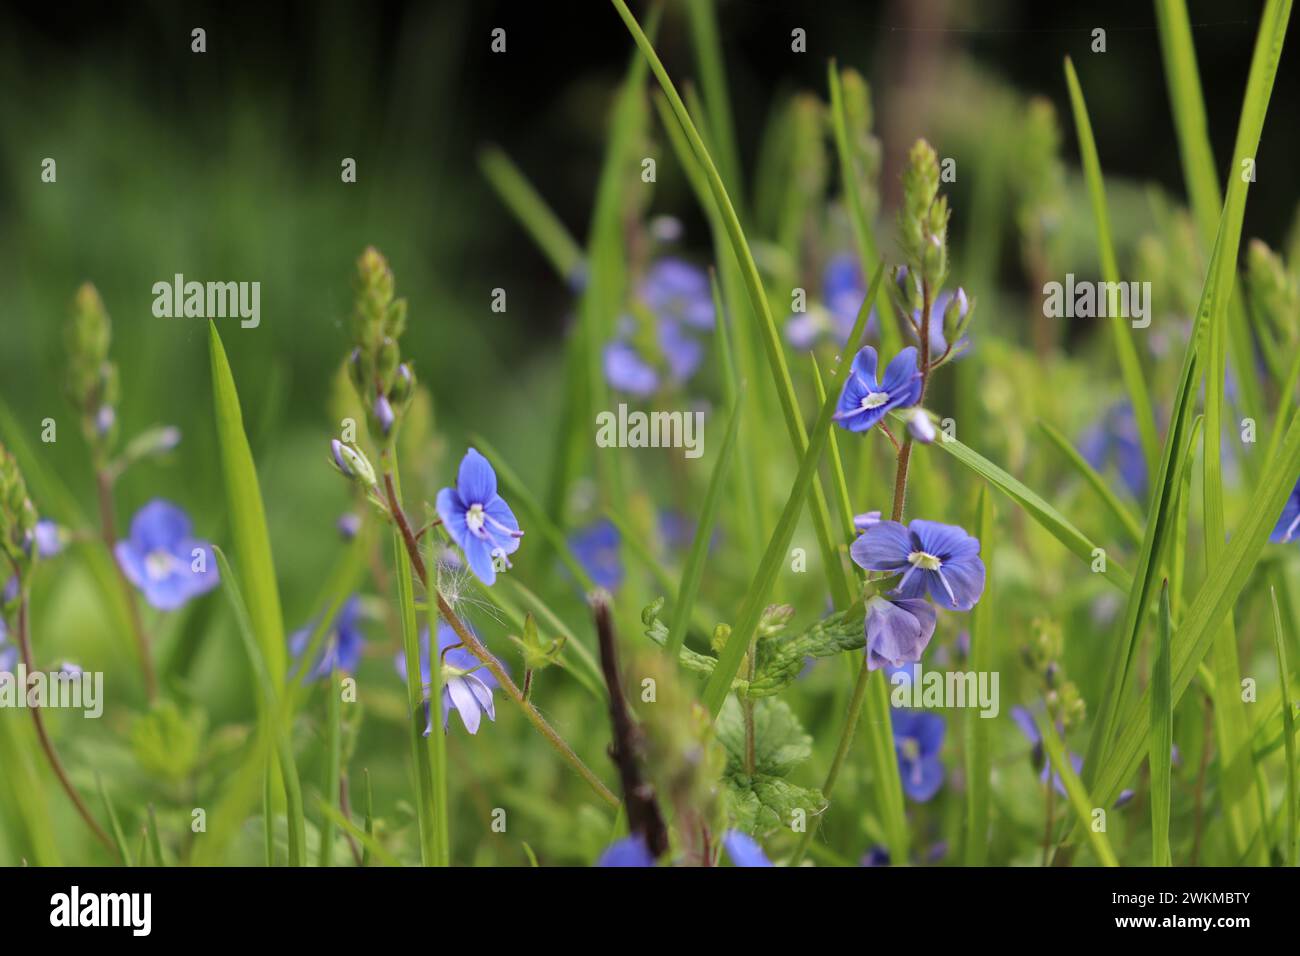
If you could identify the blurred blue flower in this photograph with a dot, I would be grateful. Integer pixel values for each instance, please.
(161, 553)
(918, 739)
(628, 370)
(876, 856)
(841, 295)
(1289, 522)
(1025, 721)
(629, 851)
(865, 520)
(49, 538)
(8, 653)
(941, 558)
(898, 631)
(467, 684)
(341, 647)
(596, 548)
(864, 401)
(678, 291)
(938, 341)
(348, 525)
(744, 849)
(1114, 439)
(477, 518)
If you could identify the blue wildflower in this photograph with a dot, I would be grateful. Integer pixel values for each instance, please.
(596, 548)
(1115, 439)
(677, 291)
(467, 684)
(163, 559)
(628, 370)
(865, 520)
(1289, 523)
(49, 538)
(341, 647)
(941, 558)
(938, 341)
(743, 849)
(477, 518)
(876, 856)
(842, 293)
(898, 631)
(864, 401)
(918, 739)
(1025, 721)
(629, 851)
(8, 653)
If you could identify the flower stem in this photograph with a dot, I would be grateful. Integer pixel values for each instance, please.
(25, 646)
(475, 647)
(104, 483)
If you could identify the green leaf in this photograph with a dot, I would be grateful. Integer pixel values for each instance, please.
(247, 516)
(1118, 508)
(115, 827)
(1160, 756)
(780, 743)
(1291, 851)
(779, 659)
(1121, 332)
(1075, 791)
(270, 711)
(1035, 506)
(762, 804)
(420, 755)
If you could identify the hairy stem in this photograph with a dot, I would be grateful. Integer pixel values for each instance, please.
(104, 484)
(475, 647)
(47, 745)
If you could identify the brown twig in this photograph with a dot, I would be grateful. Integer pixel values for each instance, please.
(643, 814)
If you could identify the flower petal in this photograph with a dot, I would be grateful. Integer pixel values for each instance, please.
(959, 584)
(482, 693)
(947, 542)
(864, 366)
(882, 547)
(901, 375)
(465, 704)
(476, 482)
(158, 526)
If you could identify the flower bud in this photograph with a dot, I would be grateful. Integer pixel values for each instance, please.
(352, 463)
(920, 426)
(383, 414)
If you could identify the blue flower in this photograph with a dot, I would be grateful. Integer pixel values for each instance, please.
(467, 684)
(628, 370)
(897, 631)
(876, 856)
(1289, 523)
(864, 401)
(939, 557)
(596, 548)
(49, 538)
(842, 293)
(161, 553)
(676, 290)
(938, 341)
(477, 518)
(744, 849)
(341, 647)
(629, 851)
(918, 739)
(1115, 439)
(8, 653)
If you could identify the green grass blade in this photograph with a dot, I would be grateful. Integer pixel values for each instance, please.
(840, 485)
(519, 196)
(1291, 851)
(1160, 756)
(693, 572)
(983, 660)
(422, 764)
(703, 20)
(368, 814)
(371, 848)
(115, 827)
(155, 844)
(247, 515)
(719, 683)
(270, 710)
(437, 740)
(1081, 803)
(758, 300)
(1125, 351)
(1035, 506)
(1122, 512)
(333, 757)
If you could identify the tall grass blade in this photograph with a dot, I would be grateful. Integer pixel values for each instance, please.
(1160, 756)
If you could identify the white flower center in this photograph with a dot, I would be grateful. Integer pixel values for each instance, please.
(920, 559)
(158, 565)
(875, 399)
(475, 518)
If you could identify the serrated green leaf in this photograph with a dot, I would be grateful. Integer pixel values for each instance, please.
(761, 803)
(780, 743)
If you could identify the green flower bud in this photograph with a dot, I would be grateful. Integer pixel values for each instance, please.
(352, 463)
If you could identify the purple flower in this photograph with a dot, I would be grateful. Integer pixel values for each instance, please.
(467, 684)
(1289, 523)
(348, 525)
(341, 647)
(920, 426)
(897, 631)
(918, 738)
(163, 559)
(744, 849)
(1115, 439)
(676, 290)
(876, 856)
(477, 518)
(842, 293)
(627, 369)
(384, 414)
(596, 548)
(941, 558)
(864, 521)
(49, 539)
(865, 401)
(8, 653)
(629, 851)
(938, 341)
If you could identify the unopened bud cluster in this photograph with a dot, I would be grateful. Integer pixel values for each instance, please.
(384, 383)
(92, 378)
